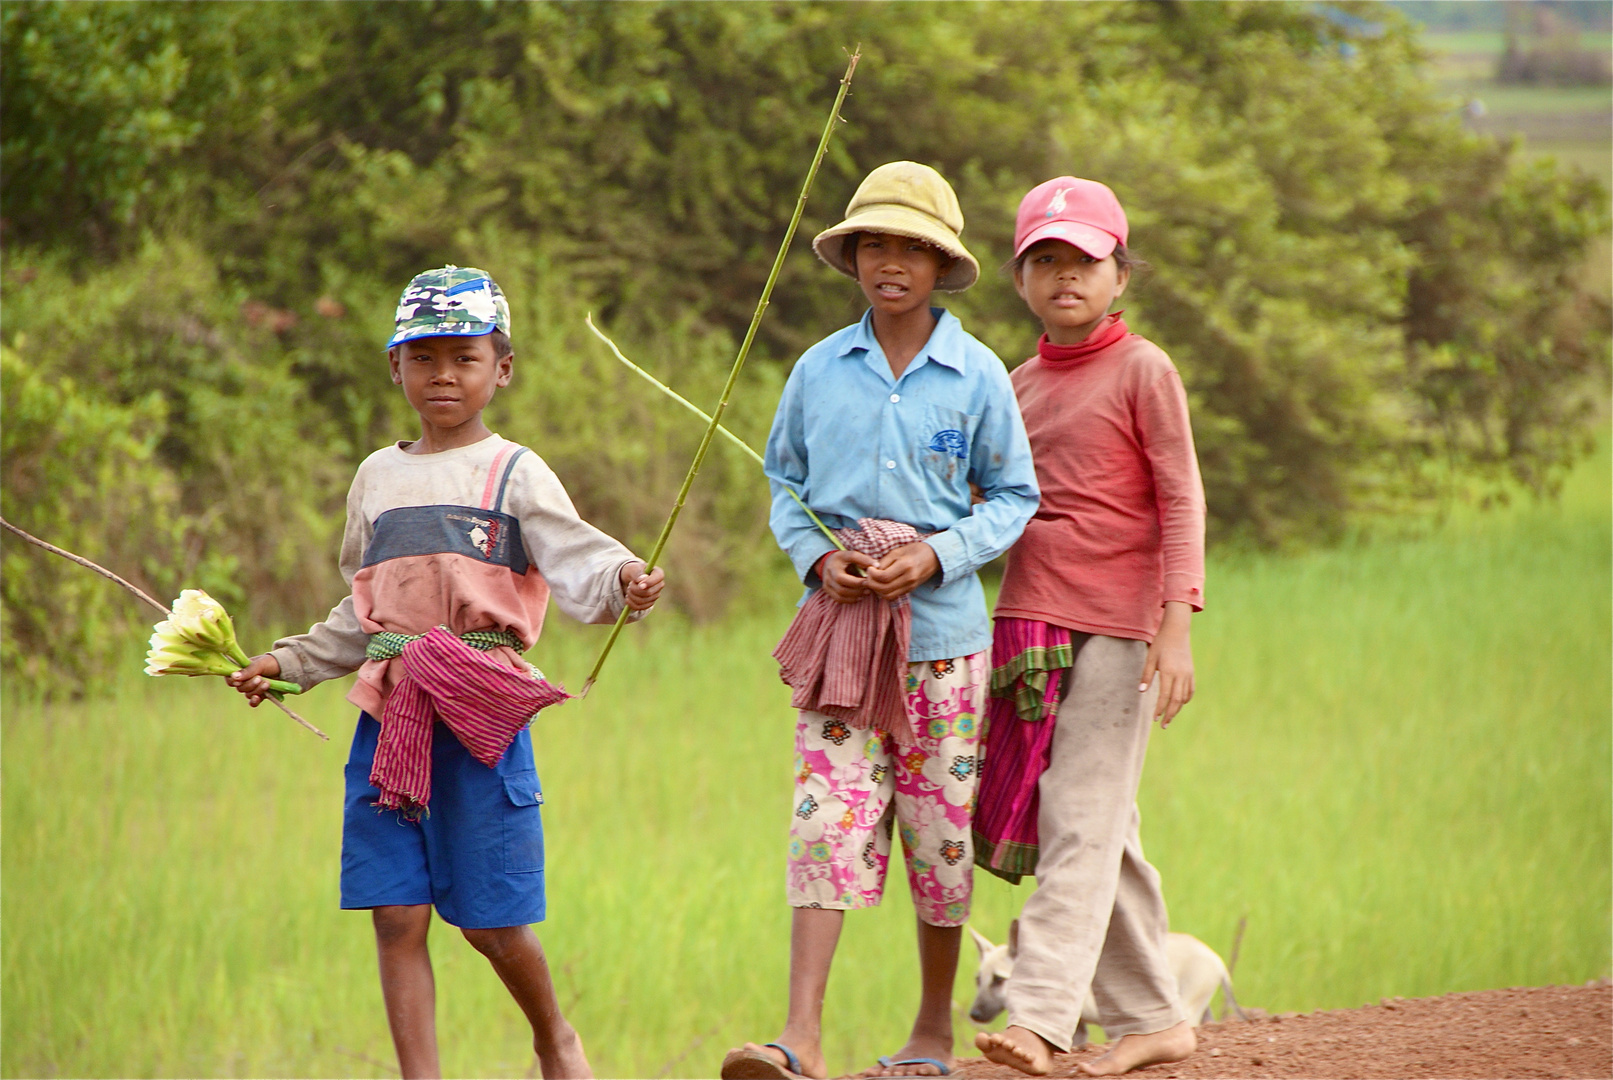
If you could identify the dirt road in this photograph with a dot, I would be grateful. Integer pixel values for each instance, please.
(1547, 1031)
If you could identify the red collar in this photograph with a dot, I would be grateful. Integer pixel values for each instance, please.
(1106, 333)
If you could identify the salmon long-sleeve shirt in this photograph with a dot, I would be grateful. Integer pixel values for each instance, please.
(1120, 528)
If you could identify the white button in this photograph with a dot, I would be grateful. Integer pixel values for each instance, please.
(890, 464)
(895, 398)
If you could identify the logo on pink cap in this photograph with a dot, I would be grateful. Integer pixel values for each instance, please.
(1084, 213)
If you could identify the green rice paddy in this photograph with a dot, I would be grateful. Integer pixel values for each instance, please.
(1397, 768)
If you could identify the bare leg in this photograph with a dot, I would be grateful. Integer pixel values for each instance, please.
(932, 1028)
(1135, 1051)
(517, 956)
(814, 933)
(408, 987)
(1018, 1047)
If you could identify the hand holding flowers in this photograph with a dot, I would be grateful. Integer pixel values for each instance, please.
(198, 638)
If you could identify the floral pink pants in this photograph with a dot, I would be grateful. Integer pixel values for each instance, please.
(852, 785)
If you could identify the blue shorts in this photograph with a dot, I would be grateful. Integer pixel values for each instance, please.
(477, 855)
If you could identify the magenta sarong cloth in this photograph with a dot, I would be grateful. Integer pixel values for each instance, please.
(1029, 662)
(483, 702)
(849, 661)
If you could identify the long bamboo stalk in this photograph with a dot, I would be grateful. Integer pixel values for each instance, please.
(139, 593)
(729, 435)
(739, 361)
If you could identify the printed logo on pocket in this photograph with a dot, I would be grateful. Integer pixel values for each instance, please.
(950, 441)
(483, 533)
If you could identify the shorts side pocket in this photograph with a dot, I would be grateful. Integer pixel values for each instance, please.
(523, 824)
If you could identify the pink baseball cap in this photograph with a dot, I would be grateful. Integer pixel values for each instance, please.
(1080, 212)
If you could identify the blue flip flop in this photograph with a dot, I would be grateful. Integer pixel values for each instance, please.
(749, 1065)
(946, 1070)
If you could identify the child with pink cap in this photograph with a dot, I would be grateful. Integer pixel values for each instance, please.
(1090, 644)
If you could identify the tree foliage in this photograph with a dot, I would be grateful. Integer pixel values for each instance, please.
(1355, 288)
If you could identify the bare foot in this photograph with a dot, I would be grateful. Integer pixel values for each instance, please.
(918, 1046)
(1019, 1047)
(1135, 1051)
(809, 1054)
(565, 1057)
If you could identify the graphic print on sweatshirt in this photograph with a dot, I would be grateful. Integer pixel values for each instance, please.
(485, 535)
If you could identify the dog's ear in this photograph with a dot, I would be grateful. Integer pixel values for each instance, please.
(981, 943)
(1013, 939)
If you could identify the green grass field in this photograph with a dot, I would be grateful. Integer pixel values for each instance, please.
(1397, 768)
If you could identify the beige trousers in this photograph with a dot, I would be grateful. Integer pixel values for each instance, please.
(1097, 918)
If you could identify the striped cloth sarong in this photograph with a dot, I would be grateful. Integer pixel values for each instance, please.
(1030, 662)
(849, 661)
(483, 702)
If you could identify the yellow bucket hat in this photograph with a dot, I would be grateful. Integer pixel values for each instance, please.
(906, 199)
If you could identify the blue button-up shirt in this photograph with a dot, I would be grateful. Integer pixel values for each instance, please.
(854, 442)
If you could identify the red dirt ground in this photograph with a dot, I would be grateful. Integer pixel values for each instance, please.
(1546, 1031)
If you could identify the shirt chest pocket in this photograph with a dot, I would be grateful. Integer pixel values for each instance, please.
(943, 441)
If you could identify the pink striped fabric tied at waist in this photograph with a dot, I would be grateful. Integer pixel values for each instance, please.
(849, 661)
(483, 702)
(1030, 664)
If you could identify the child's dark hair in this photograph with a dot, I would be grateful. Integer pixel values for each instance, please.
(848, 249)
(1124, 260)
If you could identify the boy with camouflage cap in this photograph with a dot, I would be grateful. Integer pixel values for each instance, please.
(453, 545)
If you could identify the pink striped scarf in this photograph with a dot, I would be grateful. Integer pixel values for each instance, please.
(849, 661)
(1030, 662)
(483, 702)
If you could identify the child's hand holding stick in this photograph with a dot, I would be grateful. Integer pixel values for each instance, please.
(843, 574)
(642, 587)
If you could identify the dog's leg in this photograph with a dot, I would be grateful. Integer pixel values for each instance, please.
(1231, 1002)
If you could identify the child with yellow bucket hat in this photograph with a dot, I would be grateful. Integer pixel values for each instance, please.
(881, 430)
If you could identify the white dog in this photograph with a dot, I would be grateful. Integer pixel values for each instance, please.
(1199, 974)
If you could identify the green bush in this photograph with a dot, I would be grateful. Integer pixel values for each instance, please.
(79, 470)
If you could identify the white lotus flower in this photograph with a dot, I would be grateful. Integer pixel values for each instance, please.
(198, 638)
(172, 653)
(201, 620)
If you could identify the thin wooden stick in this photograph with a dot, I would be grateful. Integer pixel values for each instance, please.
(86, 564)
(739, 361)
(139, 592)
(729, 435)
(283, 707)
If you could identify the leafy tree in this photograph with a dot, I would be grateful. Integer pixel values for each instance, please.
(1356, 289)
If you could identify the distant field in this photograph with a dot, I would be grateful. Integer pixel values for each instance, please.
(1571, 124)
(1491, 42)
(1547, 99)
(1396, 768)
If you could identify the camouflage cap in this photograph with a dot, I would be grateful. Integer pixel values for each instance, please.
(451, 301)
